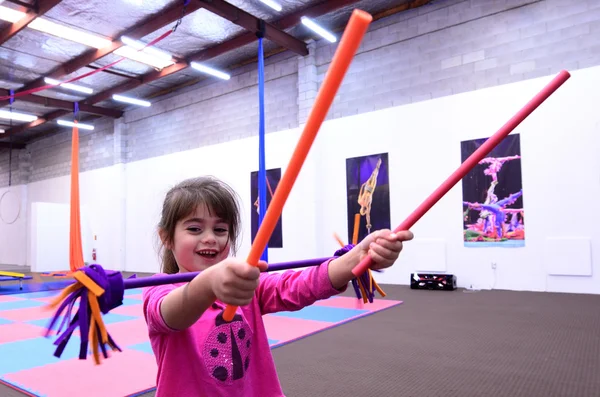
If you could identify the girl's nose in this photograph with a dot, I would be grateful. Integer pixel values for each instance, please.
(208, 237)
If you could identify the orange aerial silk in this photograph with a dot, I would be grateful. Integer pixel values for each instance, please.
(75, 244)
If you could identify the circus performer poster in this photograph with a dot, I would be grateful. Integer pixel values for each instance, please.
(493, 213)
(273, 178)
(368, 195)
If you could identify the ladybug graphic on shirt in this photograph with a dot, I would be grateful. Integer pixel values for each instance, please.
(227, 349)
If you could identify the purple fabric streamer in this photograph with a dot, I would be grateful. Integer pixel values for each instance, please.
(365, 278)
(112, 284)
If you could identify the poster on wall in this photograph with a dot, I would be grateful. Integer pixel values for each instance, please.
(368, 195)
(493, 214)
(273, 178)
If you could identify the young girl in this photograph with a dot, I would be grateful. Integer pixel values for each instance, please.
(200, 354)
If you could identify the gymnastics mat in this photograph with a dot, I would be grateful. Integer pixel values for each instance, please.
(27, 362)
(11, 276)
(33, 287)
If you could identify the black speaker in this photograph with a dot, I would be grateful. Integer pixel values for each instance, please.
(442, 282)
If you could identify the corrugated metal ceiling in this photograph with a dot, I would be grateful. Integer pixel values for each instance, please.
(32, 54)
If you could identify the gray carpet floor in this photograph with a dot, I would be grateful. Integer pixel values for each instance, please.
(451, 343)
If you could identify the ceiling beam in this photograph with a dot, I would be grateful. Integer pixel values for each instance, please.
(21, 4)
(145, 27)
(8, 145)
(31, 14)
(67, 105)
(229, 45)
(252, 24)
(41, 120)
(285, 22)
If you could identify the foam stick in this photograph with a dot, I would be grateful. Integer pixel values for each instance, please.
(473, 160)
(132, 283)
(360, 283)
(355, 232)
(75, 244)
(356, 29)
(99, 291)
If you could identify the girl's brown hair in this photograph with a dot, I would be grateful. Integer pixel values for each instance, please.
(182, 200)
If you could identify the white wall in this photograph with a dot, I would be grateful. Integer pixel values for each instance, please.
(49, 236)
(560, 166)
(559, 144)
(13, 232)
(149, 180)
(102, 202)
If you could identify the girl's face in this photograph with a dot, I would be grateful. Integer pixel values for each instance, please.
(200, 241)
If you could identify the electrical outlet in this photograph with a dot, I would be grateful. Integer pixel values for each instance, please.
(493, 265)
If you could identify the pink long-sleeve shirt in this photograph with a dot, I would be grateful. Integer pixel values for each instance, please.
(215, 358)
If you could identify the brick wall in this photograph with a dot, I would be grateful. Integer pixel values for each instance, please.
(51, 157)
(216, 112)
(444, 48)
(451, 46)
(20, 165)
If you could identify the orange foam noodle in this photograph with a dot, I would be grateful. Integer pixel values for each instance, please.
(356, 29)
(356, 226)
(339, 240)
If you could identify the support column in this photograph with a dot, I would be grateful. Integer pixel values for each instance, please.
(308, 84)
(24, 166)
(119, 141)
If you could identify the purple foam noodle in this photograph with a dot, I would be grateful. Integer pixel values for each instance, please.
(114, 286)
(161, 279)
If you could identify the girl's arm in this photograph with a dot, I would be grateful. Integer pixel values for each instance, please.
(183, 306)
(293, 290)
(232, 281)
(340, 269)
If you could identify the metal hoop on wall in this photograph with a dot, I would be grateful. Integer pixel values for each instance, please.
(9, 213)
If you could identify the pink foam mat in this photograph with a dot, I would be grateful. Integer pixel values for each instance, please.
(130, 332)
(134, 369)
(285, 328)
(8, 298)
(122, 374)
(20, 331)
(27, 314)
(347, 302)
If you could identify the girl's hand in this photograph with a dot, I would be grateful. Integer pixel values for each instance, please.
(383, 246)
(234, 281)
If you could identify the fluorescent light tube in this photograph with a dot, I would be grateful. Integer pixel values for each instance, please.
(138, 45)
(210, 71)
(69, 86)
(272, 4)
(72, 124)
(5, 114)
(309, 23)
(134, 101)
(143, 57)
(65, 32)
(10, 15)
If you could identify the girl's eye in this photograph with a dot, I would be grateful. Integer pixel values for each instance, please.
(221, 230)
(194, 229)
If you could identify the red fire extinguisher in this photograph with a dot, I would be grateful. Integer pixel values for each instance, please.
(94, 251)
